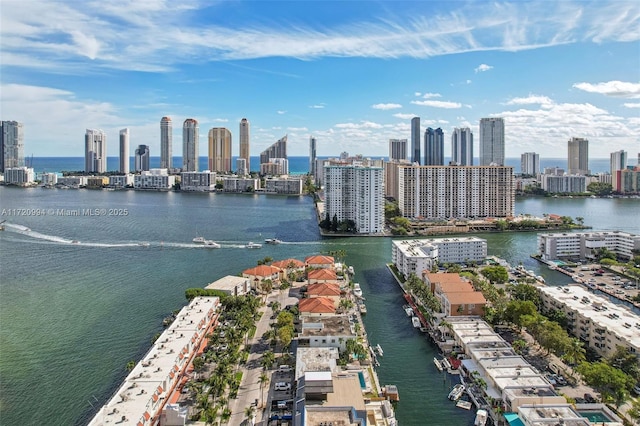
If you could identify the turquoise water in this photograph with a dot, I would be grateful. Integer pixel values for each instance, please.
(72, 315)
(363, 384)
(595, 416)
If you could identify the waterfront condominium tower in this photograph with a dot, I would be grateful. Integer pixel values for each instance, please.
(277, 150)
(166, 142)
(312, 156)
(190, 140)
(433, 147)
(142, 158)
(397, 149)
(219, 149)
(415, 140)
(11, 145)
(618, 161)
(462, 147)
(245, 128)
(492, 141)
(578, 159)
(124, 151)
(356, 193)
(530, 163)
(95, 151)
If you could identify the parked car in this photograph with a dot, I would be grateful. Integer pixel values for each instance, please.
(560, 380)
(551, 379)
(589, 398)
(636, 389)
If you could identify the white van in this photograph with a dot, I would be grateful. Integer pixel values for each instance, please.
(284, 368)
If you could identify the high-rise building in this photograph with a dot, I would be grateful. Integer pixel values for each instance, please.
(312, 156)
(415, 140)
(277, 150)
(245, 128)
(95, 151)
(124, 151)
(219, 149)
(462, 147)
(11, 145)
(433, 147)
(578, 159)
(190, 141)
(355, 193)
(397, 149)
(618, 161)
(166, 143)
(142, 157)
(530, 163)
(441, 192)
(492, 141)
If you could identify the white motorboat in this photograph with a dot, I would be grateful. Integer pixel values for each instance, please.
(456, 392)
(437, 364)
(253, 245)
(379, 350)
(416, 322)
(199, 240)
(408, 311)
(351, 270)
(272, 241)
(211, 244)
(357, 291)
(144, 244)
(481, 418)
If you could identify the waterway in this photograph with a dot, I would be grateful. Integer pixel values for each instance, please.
(73, 314)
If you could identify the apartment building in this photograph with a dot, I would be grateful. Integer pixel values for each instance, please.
(444, 192)
(583, 245)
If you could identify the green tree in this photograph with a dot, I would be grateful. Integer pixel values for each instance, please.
(634, 411)
(334, 223)
(612, 384)
(267, 360)
(262, 380)
(574, 352)
(198, 363)
(516, 309)
(600, 188)
(249, 413)
(496, 274)
(626, 361)
(519, 345)
(523, 292)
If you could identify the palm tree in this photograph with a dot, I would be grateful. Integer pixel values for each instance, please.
(267, 360)
(263, 380)
(575, 352)
(249, 413)
(225, 415)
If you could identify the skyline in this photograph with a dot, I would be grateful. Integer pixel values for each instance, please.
(353, 79)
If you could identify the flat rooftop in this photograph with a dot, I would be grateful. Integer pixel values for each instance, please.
(549, 415)
(148, 385)
(316, 359)
(337, 325)
(615, 318)
(229, 283)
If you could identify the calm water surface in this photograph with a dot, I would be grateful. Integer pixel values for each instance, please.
(73, 314)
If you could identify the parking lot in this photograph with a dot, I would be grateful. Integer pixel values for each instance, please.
(608, 282)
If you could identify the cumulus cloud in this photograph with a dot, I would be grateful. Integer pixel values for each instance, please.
(531, 100)
(632, 104)
(386, 106)
(438, 104)
(431, 95)
(317, 106)
(615, 88)
(404, 116)
(482, 68)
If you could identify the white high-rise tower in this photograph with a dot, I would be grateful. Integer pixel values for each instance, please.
(166, 142)
(190, 141)
(95, 151)
(124, 151)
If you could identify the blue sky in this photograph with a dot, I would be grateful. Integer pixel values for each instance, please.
(350, 73)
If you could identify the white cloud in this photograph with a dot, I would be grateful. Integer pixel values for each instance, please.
(152, 35)
(482, 68)
(317, 106)
(361, 125)
(632, 104)
(281, 112)
(531, 100)
(438, 104)
(431, 95)
(386, 106)
(404, 116)
(297, 129)
(220, 120)
(615, 88)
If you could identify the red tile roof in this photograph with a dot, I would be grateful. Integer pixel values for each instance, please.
(324, 289)
(322, 274)
(287, 263)
(474, 297)
(317, 305)
(319, 260)
(262, 271)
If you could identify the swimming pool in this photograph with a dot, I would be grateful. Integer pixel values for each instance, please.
(595, 416)
(363, 384)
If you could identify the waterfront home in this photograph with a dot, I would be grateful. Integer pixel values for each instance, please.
(290, 265)
(318, 306)
(326, 332)
(262, 273)
(319, 261)
(328, 290)
(322, 276)
(463, 303)
(432, 279)
(232, 285)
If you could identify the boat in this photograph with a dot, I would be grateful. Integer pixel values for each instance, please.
(408, 311)
(211, 244)
(363, 309)
(456, 392)
(272, 241)
(144, 244)
(481, 418)
(379, 349)
(253, 245)
(464, 404)
(437, 364)
(357, 291)
(199, 240)
(75, 242)
(350, 270)
(416, 322)
(446, 364)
